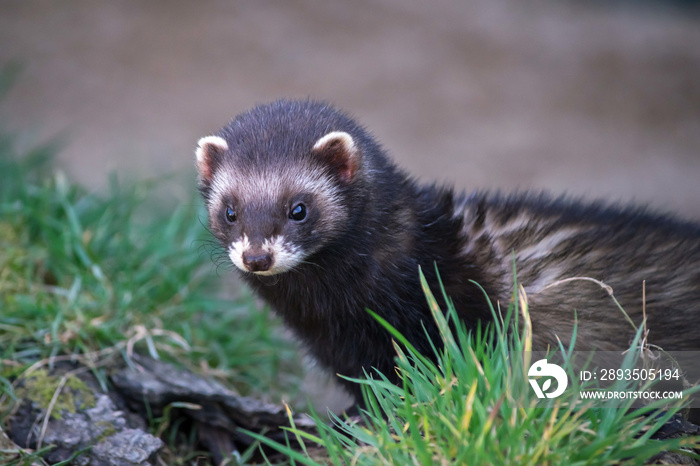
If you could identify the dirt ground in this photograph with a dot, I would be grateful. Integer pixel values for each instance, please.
(578, 97)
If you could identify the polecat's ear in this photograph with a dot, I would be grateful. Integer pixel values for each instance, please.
(209, 151)
(339, 151)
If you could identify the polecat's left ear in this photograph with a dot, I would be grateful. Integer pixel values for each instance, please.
(340, 152)
(210, 150)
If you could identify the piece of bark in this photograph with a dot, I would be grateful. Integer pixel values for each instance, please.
(84, 425)
(219, 413)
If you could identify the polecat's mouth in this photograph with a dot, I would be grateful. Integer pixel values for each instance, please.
(264, 273)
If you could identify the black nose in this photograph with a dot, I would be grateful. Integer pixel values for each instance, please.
(257, 261)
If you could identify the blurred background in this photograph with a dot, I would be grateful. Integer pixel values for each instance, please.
(597, 99)
(600, 99)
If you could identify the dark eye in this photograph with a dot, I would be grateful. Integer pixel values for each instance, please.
(298, 213)
(230, 215)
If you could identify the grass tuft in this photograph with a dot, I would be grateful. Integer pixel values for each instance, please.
(474, 406)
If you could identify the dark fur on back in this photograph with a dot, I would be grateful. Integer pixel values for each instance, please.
(385, 226)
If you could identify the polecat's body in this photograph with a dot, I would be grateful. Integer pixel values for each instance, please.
(323, 226)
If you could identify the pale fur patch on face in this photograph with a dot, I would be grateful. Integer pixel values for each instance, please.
(261, 186)
(236, 250)
(284, 256)
(251, 186)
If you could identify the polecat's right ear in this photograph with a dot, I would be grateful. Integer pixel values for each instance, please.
(339, 151)
(210, 150)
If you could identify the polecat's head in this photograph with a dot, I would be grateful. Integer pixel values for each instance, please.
(276, 181)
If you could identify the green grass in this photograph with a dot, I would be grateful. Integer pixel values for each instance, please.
(475, 406)
(93, 275)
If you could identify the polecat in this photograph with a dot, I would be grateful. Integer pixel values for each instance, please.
(323, 225)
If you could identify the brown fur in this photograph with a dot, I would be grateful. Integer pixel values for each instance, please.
(551, 241)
